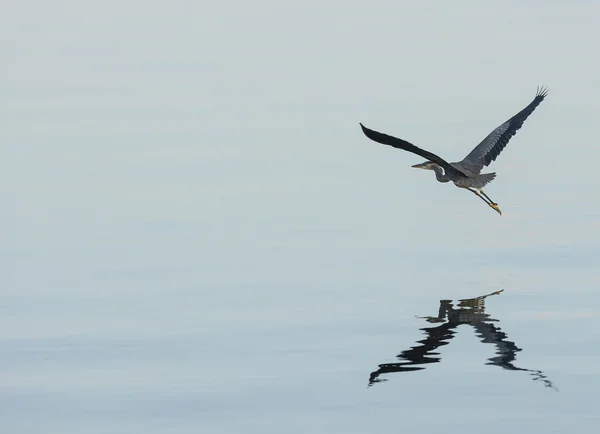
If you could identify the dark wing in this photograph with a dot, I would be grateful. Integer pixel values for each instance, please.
(494, 143)
(403, 144)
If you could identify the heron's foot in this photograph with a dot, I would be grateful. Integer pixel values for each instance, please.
(496, 207)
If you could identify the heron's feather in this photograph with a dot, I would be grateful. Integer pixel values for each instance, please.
(403, 144)
(490, 147)
(477, 181)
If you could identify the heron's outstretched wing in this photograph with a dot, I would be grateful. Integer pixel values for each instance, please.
(403, 144)
(494, 143)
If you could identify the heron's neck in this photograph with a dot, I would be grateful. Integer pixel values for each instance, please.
(439, 174)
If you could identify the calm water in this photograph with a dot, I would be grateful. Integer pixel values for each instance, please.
(200, 239)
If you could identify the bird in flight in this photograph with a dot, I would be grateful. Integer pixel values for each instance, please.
(467, 173)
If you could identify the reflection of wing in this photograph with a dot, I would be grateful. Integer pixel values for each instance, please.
(506, 351)
(419, 355)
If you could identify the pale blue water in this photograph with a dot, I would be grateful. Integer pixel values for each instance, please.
(200, 239)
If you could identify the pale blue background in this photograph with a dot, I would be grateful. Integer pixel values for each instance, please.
(198, 237)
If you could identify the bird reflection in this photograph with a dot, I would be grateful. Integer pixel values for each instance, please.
(469, 311)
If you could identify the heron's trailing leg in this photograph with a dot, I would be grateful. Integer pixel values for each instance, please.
(491, 203)
(478, 195)
(487, 197)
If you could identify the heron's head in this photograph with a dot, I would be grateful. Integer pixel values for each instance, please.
(428, 165)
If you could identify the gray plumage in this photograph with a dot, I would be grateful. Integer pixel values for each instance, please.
(467, 172)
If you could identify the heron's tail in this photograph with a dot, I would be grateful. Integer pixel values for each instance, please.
(481, 180)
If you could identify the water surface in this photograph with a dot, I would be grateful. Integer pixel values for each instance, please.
(200, 239)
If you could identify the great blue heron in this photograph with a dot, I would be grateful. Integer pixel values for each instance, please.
(467, 173)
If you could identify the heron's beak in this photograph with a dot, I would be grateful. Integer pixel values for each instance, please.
(419, 166)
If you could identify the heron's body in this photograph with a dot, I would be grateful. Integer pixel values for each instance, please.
(467, 172)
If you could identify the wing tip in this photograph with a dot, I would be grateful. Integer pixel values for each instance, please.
(542, 92)
(365, 130)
